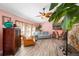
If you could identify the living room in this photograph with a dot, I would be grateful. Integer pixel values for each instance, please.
(31, 31)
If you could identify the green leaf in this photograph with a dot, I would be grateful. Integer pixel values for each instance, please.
(53, 5)
(71, 13)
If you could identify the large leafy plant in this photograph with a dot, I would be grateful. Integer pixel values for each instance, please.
(70, 12)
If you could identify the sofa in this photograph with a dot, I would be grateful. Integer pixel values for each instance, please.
(43, 35)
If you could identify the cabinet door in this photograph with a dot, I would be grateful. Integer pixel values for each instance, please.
(7, 41)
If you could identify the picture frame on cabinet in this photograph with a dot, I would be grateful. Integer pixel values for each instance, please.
(5, 19)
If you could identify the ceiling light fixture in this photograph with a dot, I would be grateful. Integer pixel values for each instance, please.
(44, 14)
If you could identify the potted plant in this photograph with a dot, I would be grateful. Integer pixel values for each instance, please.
(38, 27)
(70, 14)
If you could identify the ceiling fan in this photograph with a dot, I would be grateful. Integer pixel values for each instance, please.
(44, 14)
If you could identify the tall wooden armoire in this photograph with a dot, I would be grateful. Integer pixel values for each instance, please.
(11, 40)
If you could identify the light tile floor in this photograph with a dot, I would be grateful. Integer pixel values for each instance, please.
(45, 47)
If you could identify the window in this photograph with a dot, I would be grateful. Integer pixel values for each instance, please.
(33, 30)
(26, 29)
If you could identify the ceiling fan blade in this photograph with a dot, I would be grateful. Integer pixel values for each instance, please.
(42, 17)
(38, 16)
(40, 12)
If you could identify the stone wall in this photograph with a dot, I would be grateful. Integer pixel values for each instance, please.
(73, 37)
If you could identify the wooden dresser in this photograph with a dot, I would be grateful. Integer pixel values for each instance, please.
(11, 40)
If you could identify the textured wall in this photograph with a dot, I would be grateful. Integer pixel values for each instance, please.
(73, 37)
(14, 17)
(47, 26)
(1, 41)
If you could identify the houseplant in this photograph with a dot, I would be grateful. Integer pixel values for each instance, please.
(70, 14)
(38, 27)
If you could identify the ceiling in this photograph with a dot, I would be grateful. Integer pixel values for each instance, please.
(26, 10)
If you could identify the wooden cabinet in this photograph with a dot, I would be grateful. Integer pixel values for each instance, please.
(11, 40)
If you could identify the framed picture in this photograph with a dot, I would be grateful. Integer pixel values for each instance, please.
(6, 19)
